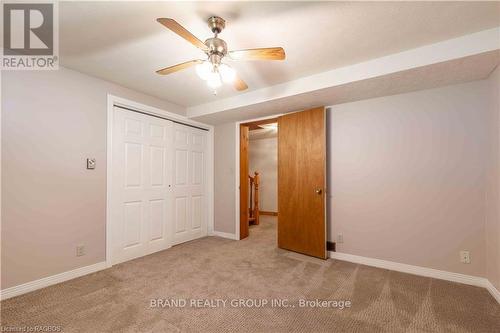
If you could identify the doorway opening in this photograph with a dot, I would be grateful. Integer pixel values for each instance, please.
(301, 181)
(258, 174)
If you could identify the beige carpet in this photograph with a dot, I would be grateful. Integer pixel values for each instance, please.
(118, 299)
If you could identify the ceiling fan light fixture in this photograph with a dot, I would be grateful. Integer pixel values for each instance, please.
(213, 75)
(212, 70)
(214, 80)
(204, 69)
(227, 73)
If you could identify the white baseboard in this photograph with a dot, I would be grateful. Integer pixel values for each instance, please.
(50, 280)
(224, 235)
(419, 270)
(493, 291)
(416, 270)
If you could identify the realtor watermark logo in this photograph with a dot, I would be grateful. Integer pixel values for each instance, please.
(30, 36)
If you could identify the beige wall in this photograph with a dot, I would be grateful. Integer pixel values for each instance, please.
(263, 158)
(492, 195)
(224, 178)
(408, 176)
(412, 176)
(52, 121)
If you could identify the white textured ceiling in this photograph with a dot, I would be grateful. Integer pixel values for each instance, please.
(455, 71)
(121, 41)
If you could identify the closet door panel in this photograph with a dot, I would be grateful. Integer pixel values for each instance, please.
(189, 186)
(140, 210)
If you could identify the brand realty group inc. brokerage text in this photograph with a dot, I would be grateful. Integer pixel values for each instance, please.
(247, 303)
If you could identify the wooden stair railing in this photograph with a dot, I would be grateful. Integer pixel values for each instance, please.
(253, 217)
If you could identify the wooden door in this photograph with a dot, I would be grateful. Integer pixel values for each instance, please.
(244, 181)
(301, 182)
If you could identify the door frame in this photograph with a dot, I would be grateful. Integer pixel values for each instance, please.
(113, 101)
(237, 169)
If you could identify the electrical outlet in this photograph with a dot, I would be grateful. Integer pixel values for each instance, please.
(340, 238)
(80, 250)
(465, 257)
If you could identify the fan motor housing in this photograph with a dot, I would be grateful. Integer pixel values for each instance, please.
(216, 46)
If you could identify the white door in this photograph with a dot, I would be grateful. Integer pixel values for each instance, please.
(190, 202)
(141, 193)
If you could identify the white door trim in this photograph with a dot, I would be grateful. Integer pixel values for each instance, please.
(119, 101)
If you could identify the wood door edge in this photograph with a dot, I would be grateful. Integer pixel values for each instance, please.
(323, 257)
(244, 228)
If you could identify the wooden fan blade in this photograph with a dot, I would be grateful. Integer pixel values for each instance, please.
(181, 31)
(178, 67)
(239, 84)
(269, 53)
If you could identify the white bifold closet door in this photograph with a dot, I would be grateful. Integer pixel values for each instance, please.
(190, 202)
(158, 194)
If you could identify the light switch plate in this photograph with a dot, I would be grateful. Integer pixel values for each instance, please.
(91, 163)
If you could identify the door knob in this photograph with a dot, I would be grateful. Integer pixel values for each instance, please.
(319, 191)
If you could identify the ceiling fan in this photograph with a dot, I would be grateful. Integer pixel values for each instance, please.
(213, 70)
